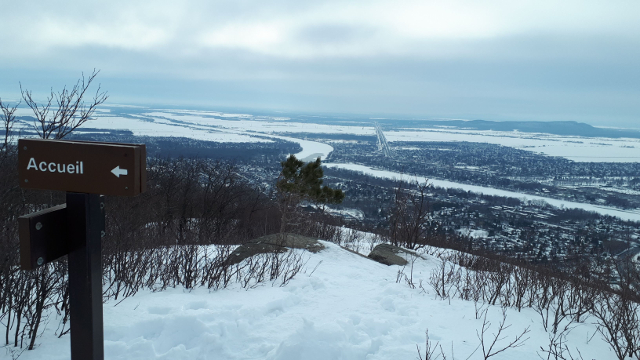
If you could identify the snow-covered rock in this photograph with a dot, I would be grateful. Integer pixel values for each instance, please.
(391, 255)
(274, 243)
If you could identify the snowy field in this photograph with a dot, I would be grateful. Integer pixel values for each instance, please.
(633, 215)
(343, 306)
(261, 124)
(574, 148)
(226, 127)
(145, 127)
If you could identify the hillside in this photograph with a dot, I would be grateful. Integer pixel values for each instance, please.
(341, 306)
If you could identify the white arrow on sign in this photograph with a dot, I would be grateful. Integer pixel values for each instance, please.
(117, 171)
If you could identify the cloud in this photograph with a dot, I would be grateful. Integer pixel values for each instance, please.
(283, 28)
(470, 56)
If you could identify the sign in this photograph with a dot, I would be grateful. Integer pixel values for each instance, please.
(84, 170)
(82, 166)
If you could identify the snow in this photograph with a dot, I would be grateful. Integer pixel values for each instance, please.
(310, 149)
(361, 242)
(344, 306)
(229, 127)
(143, 127)
(572, 147)
(261, 124)
(633, 215)
(354, 213)
(266, 128)
(575, 148)
(474, 233)
(201, 130)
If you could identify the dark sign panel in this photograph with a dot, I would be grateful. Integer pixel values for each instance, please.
(82, 166)
(43, 237)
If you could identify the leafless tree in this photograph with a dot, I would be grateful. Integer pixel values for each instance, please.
(8, 121)
(410, 215)
(64, 111)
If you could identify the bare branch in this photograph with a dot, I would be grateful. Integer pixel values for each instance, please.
(70, 110)
(430, 350)
(518, 341)
(8, 120)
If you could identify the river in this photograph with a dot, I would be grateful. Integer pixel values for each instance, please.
(633, 215)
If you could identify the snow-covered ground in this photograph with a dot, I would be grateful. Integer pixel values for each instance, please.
(220, 131)
(245, 130)
(575, 148)
(344, 306)
(146, 127)
(633, 215)
(226, 127)
(572, 147)
(474, 233)
(261, 124)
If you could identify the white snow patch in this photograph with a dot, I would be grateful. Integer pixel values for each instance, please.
(141, 127)
(575, 148)
(207, 129)
(348, 308)
(474, 233)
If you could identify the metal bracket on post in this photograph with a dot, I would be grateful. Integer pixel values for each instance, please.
(43, 237)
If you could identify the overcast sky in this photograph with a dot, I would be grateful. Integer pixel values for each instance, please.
(494, 60)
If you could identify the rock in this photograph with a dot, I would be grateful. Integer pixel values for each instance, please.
(273, 243)
(389, 255)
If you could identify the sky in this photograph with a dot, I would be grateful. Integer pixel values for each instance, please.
(493, 60)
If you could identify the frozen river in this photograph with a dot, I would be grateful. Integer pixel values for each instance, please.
(633, 215)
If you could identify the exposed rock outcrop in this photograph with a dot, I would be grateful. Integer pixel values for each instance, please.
(274, 243)
(391, 255)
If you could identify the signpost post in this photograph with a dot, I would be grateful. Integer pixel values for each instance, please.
(84, 170)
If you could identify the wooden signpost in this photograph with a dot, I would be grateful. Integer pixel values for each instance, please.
(85, 170)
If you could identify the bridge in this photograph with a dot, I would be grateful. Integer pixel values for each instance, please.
(382, 141)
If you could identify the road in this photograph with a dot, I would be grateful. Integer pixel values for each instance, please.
(382, 141)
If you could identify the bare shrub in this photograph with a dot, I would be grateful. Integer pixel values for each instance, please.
(157, 240)
(430, 350)
(557, 349)
(495, 344)
(490, 344)
(410, 222)
(523, 279)
(445, 279)
(618, 324)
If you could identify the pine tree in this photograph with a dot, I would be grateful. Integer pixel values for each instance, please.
(300, 182)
